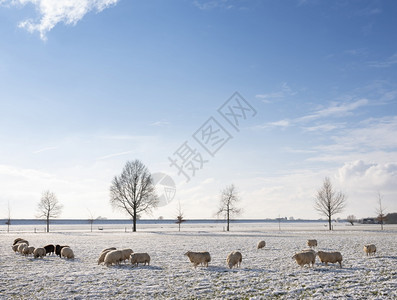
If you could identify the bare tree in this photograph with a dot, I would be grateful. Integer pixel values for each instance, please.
(8, 222)
(91, 218)
(179, 217)
(351, 219)
(328, 202)
(227, 205)
(49, 207)
(133, 191)
(380, 211)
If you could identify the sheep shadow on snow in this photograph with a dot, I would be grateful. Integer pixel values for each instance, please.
(129, 267)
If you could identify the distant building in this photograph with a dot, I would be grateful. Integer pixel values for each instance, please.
(369, 221)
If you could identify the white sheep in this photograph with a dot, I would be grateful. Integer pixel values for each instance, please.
(109, 249)
(261, 244)
(305, 258)
(330, 257)
(28, 250)
(67, 253)
(309, 250)
(15, 248)
(20, 241)
(370, 249)
(199, 258)
(113, 257)
(125, 254)
(39, 252)
(311, 243)
(21, 246)
(142, 258)
(101, 258)
(234, 259)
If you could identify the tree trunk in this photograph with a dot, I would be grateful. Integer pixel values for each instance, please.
(228, 216)
(179, 226)
(329, 222)
(134, 221)
(48, 224)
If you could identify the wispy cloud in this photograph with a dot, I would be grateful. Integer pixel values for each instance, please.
(45, 149)
(284, 91)
(115, 155)
(211, 4)
(336, 109)
(52, 12)
(160, 123)
(388, 62)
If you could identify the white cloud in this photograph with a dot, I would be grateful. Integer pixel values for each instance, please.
(284, 91)
(386, 63)
(212, 4)
(115, 155)
(52, 12)
(363, 180)
(160, 123)
(373, 134)
(335, 110)
(45, 149)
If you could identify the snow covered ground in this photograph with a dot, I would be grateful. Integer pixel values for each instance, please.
(267, 273)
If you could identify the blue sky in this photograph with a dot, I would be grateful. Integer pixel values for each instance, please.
(87, 85)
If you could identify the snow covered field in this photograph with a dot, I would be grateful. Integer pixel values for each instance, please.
(268, 273)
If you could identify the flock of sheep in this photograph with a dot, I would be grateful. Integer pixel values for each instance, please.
(113, 256)
(22, 246)
(308, 256)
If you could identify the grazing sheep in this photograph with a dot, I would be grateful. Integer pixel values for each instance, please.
(101, 258)
(39, 252)
(330, 257)
(49, 249)
(20, 241)
(142, 258)
(15, 248)
(21, 247)
(113, 257)
(312, 243)
(108, 249)
(199, 258)
(125, 254)
(305, 258)
(261, 245)
(370, 249)
(234, 259)
(67, 253)
(58, 249)
(28, 250)
(309, 250)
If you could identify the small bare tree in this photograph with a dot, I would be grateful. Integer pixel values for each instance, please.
(227, 205)
(91, 218)
(133, 191)
(49, 207)
(380, 211)
(8, 222)
(328, 202)
(179, 217)
(351, 219)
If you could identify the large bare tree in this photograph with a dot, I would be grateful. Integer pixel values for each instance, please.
(329, 202)
(133, 192)
(49, 207)
(380, 211)
(227, 205)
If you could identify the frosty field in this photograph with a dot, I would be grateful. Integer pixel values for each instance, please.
(267, 273)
